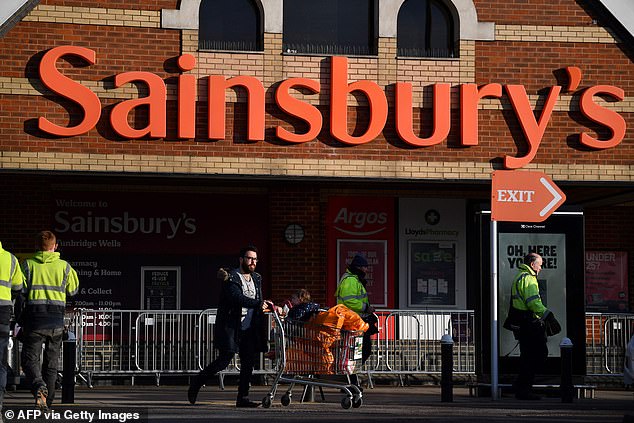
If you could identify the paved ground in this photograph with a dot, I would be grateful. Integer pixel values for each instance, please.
(166, 404)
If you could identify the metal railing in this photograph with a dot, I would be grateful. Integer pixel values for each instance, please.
(408, 342)
(147, 342)
(607, 335)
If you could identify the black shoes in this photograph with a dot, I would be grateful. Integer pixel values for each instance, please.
(245, 403)
(192, 392)
(40, 398)
(194, 388)
(527, 396)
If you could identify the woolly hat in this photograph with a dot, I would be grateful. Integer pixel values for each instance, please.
(358, 262)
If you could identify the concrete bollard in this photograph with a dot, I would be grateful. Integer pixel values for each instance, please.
(446, 378)
(566, 387)
(68, 371)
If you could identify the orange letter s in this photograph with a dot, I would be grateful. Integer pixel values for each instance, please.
(66, 87)
(603, 116)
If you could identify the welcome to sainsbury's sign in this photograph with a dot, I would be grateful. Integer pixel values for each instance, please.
(470, 94)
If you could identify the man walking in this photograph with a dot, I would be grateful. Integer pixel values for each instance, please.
(240, 327)
(11, 283)
(48, 280)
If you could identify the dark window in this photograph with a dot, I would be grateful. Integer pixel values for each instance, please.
(230, 25)
(425, 29)
(330, 26)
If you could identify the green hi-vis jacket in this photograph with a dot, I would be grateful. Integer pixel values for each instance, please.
(11, 282)
(351, 293)
(48, 280)
(525, 292)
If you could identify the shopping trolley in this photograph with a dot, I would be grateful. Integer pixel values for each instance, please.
(303, 350)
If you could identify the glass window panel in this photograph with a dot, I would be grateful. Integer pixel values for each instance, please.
(425, 29)
(330, 26)
(229, 25)
(440, 30)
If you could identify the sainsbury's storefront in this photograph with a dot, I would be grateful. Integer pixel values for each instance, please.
(156, 140)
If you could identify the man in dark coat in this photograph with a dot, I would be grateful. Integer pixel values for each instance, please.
(240, 327)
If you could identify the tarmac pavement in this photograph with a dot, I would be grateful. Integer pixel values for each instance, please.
(166, 404)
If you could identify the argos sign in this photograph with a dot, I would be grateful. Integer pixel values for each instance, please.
(357, 223)
(532, 126)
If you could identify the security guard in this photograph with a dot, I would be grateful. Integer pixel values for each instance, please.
(530, 315)
(11, 282)
(48, 280)
(352, 293)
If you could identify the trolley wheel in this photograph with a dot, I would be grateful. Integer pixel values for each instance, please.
(286, 400)
(346, 403)
(266, 402)
(357, 401)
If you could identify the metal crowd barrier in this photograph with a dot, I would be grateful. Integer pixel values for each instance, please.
(158, 342)
(607, 336)
(180, 342)
(137, 342)
(408, 342)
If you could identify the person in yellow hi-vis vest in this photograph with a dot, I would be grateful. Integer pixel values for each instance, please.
(534, 322)
(352, 293)
(49, 279)
(11, 283)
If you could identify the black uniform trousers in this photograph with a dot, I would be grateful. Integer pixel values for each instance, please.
(533, 354)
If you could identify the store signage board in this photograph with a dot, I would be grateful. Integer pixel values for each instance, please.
(523, 196)
(338, 87)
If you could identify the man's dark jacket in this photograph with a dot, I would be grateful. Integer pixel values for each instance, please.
(227, 330)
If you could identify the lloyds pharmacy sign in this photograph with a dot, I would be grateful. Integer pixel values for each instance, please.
(470, 94)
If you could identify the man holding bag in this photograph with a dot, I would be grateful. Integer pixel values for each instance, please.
(532, 322)
(351, 292)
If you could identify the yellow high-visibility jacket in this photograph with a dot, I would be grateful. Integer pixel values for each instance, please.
(525, 292)
(11, 283)
(352, 293)
(48, 280)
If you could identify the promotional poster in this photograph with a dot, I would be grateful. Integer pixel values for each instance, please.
(552, 281)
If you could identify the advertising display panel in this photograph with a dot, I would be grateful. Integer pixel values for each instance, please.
(512, 247)
(365, 226)
(432, 268)
(375, 253)
(560, 241)
(606, 281)
(432, 253)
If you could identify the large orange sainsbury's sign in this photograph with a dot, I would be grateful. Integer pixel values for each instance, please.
(470, 94)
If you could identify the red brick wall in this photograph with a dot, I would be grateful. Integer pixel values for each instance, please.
(118, 49)
(499, 135)
(532, 12)
(301, 265)
(532, 64)
(117, 4)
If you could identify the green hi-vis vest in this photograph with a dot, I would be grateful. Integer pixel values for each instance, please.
(525, 292)
(352, 293)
